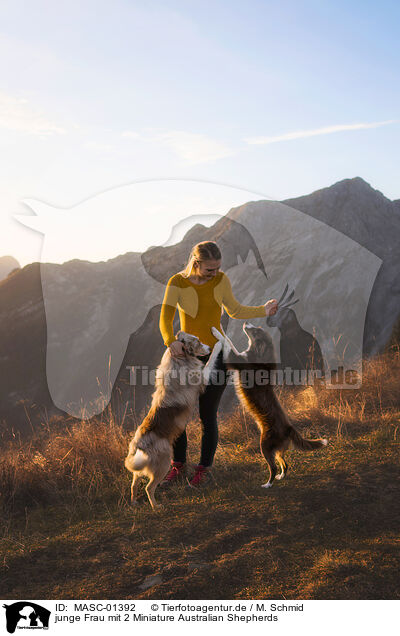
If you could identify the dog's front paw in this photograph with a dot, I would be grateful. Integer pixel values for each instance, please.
(217, 347)
(217, 334)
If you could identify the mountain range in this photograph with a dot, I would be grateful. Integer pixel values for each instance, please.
(75, 328)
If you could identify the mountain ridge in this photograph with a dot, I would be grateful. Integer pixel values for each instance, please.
(93, 302)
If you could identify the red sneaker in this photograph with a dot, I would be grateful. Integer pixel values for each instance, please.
(200, 477)
(175, 474)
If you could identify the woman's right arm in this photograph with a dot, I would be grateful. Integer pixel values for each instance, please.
(168, 309)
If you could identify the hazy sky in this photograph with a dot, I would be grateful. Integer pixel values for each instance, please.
(278, 99)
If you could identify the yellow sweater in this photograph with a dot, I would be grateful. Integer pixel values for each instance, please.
(200, 307)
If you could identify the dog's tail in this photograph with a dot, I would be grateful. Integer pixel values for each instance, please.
(305, 444)
(136, 461)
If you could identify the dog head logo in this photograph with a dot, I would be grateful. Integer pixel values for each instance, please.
(26, 615)
(93, 308)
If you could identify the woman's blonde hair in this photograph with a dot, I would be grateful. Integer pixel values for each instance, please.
(204, 251)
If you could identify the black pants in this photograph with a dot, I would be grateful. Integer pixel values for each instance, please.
(208, 407)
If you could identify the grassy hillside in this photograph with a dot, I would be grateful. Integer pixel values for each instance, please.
(328, 531)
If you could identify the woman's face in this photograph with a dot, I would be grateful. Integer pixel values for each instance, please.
(208, 269)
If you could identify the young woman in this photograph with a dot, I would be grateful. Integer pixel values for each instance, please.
(200, 291)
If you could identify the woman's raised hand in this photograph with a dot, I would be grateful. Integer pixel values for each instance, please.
(176, 349)
(271, 307)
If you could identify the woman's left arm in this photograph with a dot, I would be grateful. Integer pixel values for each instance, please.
(235, 310)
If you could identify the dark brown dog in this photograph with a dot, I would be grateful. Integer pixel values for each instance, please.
(276, 432)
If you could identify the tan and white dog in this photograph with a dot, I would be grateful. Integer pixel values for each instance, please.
(179, 382)
(277, 433)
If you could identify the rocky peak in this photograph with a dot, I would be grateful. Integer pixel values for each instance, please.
(354, 208)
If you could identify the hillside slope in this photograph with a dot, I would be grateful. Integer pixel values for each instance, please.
(328, 531)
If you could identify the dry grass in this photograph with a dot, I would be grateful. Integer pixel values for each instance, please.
(327, 531)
